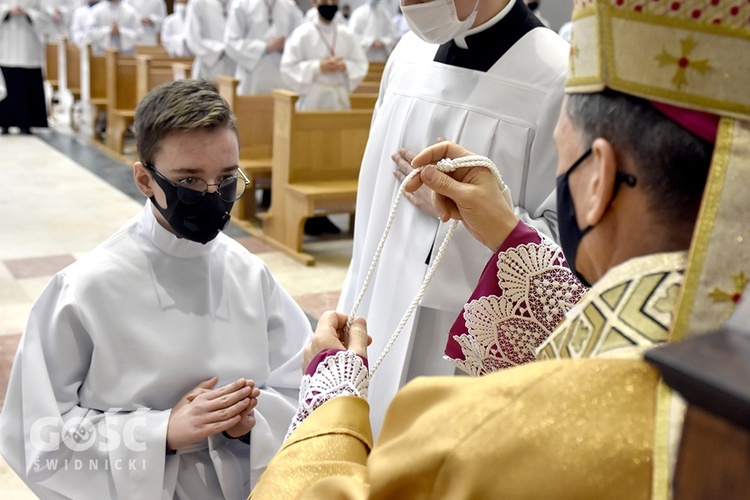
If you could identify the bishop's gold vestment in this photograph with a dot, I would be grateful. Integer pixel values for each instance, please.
(570, 428)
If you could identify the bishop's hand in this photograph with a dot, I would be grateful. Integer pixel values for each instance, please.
(471, 195)
(330, 334)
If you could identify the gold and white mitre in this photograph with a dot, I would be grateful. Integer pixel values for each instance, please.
(694, 54)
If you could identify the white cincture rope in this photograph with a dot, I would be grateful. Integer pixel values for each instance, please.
(444, 165)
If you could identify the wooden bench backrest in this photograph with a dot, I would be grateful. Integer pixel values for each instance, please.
(52, 66)
(254, 114)
(368, 88)
(363, 101)
(310, 146)
(374, 72)
(181, 70)
(150, 73)
(72, 66)
(121, 81)
(157, 51)
(98, 75)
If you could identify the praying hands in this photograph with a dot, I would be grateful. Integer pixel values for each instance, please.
(205, 411)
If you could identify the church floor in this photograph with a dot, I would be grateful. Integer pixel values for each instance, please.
(61, 196)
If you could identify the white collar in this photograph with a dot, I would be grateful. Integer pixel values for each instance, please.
(460, 40)
(168, 242)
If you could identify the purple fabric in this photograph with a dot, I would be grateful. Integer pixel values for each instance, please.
(487, 285)
(700, 123)
(322, 355)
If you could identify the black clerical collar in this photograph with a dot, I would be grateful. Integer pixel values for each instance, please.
(486, 47)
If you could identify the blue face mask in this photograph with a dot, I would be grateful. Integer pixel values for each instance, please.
(570, 234)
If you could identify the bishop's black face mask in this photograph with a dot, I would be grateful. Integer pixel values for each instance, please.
(327, 11)
(570, 234)
(201, 219)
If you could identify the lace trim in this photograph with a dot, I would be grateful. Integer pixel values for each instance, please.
(341, 374)
(537, 290)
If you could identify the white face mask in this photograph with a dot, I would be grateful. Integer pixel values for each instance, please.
(436, 21)
(179, 8)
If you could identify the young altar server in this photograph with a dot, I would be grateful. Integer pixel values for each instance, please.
(490, 77)
(256, 33)
(146, 364)
(372, 23)
(323, 61)
(173, 31)
(151, 14)
(206, 21)
(114, 25)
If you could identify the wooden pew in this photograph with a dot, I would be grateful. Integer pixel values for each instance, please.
(72, 67)
(363, 101)
(367, 88)
(152, 71)
(156, 51)
(374, 72)
(316, 159)
(121, 97)
(52, 68)
(254, 115)
(180, 70)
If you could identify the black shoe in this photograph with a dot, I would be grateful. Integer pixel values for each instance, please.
(312, 226)
(327, 226)
(25, 131)
(4, 131)
(265, 200)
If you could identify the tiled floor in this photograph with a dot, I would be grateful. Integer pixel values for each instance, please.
(61, 197)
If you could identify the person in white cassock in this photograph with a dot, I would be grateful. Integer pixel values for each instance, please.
(173, 31)
(399, 24)
(60, 14)
(114, 25)
(312, 14)
(485, 74)
(255, 36)
(80, 24)
(206, 22)
(372, 23)
(22, 27)
(166, 362)
(151, 14)
(323, 61)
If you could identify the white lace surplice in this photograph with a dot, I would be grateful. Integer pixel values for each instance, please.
(522, 296)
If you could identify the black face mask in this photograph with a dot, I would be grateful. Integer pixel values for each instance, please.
(570, 234)
(200, 221)
(327, 11)
(532, 6)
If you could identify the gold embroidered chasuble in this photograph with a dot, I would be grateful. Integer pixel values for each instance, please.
(630, 309)
(494, 436)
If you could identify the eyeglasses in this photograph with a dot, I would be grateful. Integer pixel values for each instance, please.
(192, 189)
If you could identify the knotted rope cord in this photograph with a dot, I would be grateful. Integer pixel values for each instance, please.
(444, 165)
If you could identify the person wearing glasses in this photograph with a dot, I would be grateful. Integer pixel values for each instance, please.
(148, 364)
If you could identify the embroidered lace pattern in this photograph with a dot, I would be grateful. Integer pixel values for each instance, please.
(342, 374)
(504, 330)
